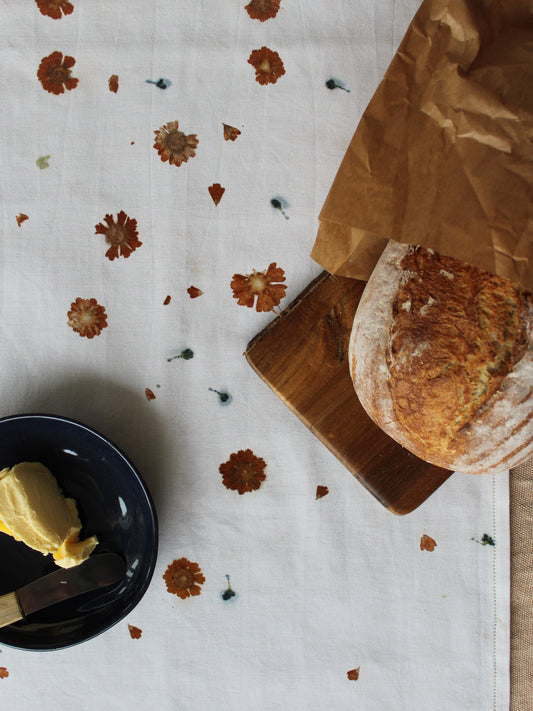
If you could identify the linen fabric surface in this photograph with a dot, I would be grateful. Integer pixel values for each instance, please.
(120, 247)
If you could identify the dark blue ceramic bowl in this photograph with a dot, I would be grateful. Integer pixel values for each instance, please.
(113, 503)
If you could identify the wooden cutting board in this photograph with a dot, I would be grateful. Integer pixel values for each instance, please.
(303, 357)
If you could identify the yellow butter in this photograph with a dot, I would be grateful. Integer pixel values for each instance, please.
(34, 510)
(5, 529)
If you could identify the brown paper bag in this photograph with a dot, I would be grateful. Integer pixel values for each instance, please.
(443, 154)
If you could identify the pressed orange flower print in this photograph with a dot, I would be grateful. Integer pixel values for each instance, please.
(135, 632)
(262, 9)
(184, 578)
(230, 132)
(54, 73)
(87, 317)
(120, 235)
(243, 471)
(261, 285)
(54, 8)
(173, 145)
(216, 191)
(21, 217)
(267, 64)
(427, 543)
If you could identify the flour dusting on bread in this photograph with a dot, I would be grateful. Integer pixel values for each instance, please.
(441, 357)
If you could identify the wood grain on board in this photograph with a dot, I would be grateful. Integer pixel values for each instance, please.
(303, 357)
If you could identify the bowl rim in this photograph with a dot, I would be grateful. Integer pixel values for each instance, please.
(154, 527)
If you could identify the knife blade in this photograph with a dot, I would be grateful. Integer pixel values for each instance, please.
(98, 571)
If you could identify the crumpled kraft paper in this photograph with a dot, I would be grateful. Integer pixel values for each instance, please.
(443, 154)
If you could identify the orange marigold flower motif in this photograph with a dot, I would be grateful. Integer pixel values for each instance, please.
(243, 471)
(216, 191)
(262, 9)
(135, 632)
(113, 83)
(87, 317)
(230, 132)
(427, 543)
(21, 217)
(260, 284)
(54, 73)
(173, 145)
(183, 578)
(3, 673)
(268, 65)
(353, 674)
(53, 8)
(121, 235)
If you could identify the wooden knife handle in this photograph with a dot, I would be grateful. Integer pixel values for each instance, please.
(9, 609)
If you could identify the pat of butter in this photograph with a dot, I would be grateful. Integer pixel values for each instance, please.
(34, 510)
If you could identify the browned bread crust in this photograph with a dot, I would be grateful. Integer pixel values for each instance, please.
(441, 356)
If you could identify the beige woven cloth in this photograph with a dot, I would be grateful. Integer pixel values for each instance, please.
(521, 503)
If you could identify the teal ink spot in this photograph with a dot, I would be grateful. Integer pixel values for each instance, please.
(280, 205)
(486, 540)
(223, 397)
(229, 592)
(336, 84)
(186, 354)
(42, 162)
(160, 83)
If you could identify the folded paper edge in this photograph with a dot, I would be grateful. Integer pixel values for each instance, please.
(329, 249)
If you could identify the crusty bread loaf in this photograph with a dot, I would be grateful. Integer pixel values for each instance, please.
(441, 356)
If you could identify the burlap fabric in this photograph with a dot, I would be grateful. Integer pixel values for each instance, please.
(521, 502)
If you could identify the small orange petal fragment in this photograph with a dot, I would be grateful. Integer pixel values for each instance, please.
(194, 292)
(113, 83)
(149, 394)
(321, 491)
(166, 302)
(230, 132)
(353, 674)
(3, 673)
(216, 191)
(427, 543)
(21, 218)
(135, 632)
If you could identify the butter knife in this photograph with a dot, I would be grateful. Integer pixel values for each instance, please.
(98, 571)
